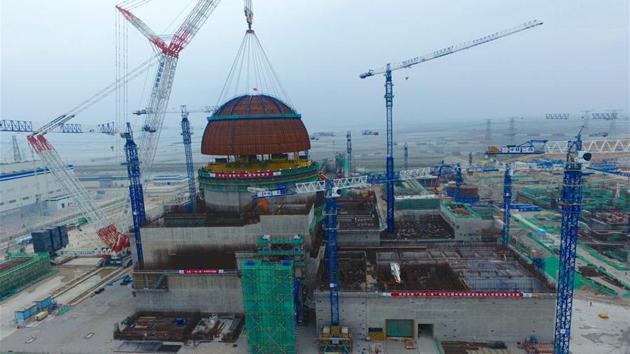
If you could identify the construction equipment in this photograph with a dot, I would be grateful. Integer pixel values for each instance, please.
(459, 181)
(609, 168)
(336, 336)
(609, 146)
(507, 201)
(26, 126)
(348, 169)
(190, 169)
(167, 59)
(106, 230)
(167, 64)
(530, 147)
(571, 206)
(204, 109)
(389, 97)
(441, 170)
(136, 194)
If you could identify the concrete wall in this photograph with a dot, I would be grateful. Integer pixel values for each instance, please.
(160, 242)
(488, 319)
(353, 238)
(206, 293)
(467, 229)
(235, 201)
(227, 201)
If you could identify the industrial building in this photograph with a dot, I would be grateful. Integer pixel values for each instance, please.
(25, 185)
(458, 293)
(443, 257)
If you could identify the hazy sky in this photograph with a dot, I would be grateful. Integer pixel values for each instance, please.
(57, 53)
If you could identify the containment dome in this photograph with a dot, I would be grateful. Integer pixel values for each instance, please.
(254, 125)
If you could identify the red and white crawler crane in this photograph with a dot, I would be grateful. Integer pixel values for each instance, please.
(168, 55)
(167, 61)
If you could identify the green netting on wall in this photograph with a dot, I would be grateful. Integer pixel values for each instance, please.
(269, 308)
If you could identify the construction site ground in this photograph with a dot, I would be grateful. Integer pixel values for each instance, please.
(88, 328)
(615, 270)
(71, 284)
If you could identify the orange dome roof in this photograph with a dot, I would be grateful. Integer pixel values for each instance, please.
(254, 125)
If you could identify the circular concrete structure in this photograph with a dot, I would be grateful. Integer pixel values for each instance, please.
(256, 141)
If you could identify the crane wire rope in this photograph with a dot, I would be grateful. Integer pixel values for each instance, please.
(259, 76)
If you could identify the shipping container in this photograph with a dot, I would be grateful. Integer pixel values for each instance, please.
(55, 237)
(42, 241)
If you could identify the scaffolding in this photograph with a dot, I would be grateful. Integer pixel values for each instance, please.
(17, 273)
(269, 308)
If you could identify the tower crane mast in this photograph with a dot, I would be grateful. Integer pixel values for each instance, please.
(389, 96)
(331, 189)
(136, 194)
(507, 202)
(348, 154)
(571, 203)
(192, 188)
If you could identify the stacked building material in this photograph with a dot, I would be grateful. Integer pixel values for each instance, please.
(50, 240)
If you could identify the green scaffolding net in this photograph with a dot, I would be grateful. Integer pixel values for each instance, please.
(269, 308)
(17, 273)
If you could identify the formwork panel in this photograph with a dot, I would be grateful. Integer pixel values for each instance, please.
(269, 308)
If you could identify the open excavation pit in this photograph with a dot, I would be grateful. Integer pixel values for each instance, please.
(357, 212)
(422, 227)
(436, 267)
(419, 277)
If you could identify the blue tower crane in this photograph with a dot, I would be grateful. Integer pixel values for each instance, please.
(571, 206)
(348, 153)
(389, 172)
(331, 250)
(389, 97)
(136, 194)
(507, 201)
(459, 181)
(332, 190)
(190, 170)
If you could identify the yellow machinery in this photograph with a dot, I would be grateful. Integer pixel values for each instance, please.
(335, 339)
